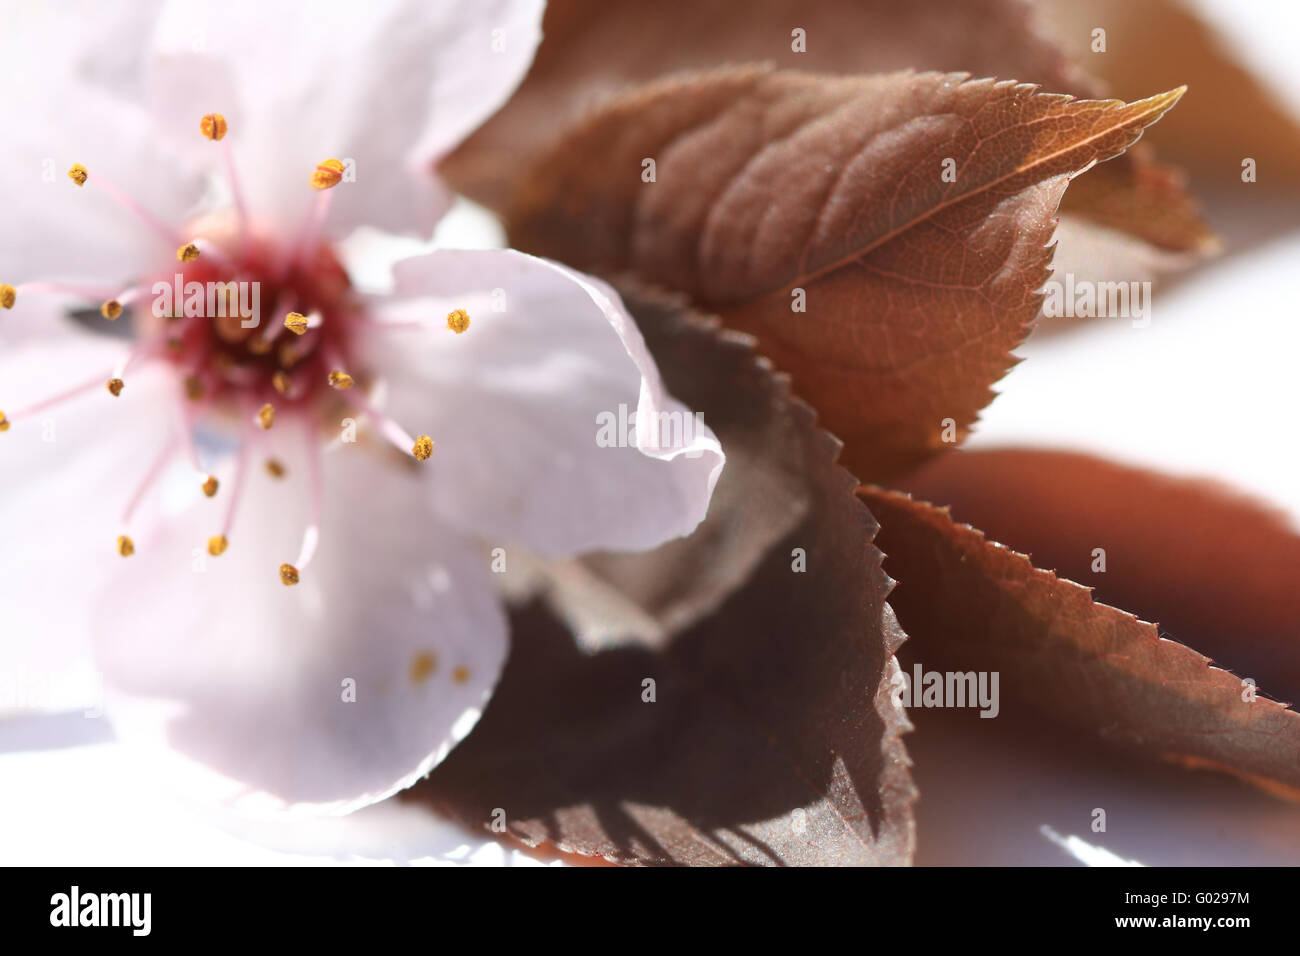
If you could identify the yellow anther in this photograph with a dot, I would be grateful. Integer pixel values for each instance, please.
(275, 469)
(422, 448)
(78, 174)
(217, 545)
(210, 485)
(266, 415)
(288, 575)
(296, 323)
(125, 546)
(340, 379)
(458, 320)
(188, 252)
(282, 382)
(4, 423)
(8, 296)
(259, 345)
(193, 387)
(327, 175)
(111, 309)
(213, 126)
(115, 386)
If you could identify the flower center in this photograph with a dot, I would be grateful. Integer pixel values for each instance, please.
(260, 328)
(252, 324)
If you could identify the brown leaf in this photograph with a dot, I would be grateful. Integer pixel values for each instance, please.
(594, 49)
(1228, 114)
(970, 603)
(773, 737)
(766, 183)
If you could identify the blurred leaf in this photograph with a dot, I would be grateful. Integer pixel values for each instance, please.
(773, 737)
(769, 183)
(1224, 569)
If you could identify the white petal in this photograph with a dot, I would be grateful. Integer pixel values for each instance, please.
(55, 77)
(66, 475)
(390, 86)
(241, 685)
(516, 407)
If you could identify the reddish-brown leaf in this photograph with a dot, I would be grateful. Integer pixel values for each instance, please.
(1176, 551)
(773, 736)
(594, 49)
(768, 183)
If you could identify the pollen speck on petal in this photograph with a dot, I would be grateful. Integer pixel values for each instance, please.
(125, 546)
(422, 448)
(274, 467)
(8, 296)
(423, 666)
(210, 485)
(111, 309)
(340, 379)
(288, 575)
(296, 323)
(217, 545)
(188, 252)
(327, 175)
(458, 320)
(460, 675)
(266, 415)
(78, 174)
(193, 388)
(115, 386)
(213, 126)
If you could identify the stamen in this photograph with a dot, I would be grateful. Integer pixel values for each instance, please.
(194, 388)
(288, 575)
(4, 422)
(58, 399)
(266, 416)
(395, 433)
(210, 485)
(111, 309)
(311, 535)
(115, 386)
(213, 126)
(328, 174)
(188, 252)
(217, 545)
(458, 320)
(125, 546)
(296, 323)
(8, 295)
(340, 379)
(150, 476)
(79, 175)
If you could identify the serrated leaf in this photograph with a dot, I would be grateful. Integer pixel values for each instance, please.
(766, 183)
(773, 737)
(1178, 549)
